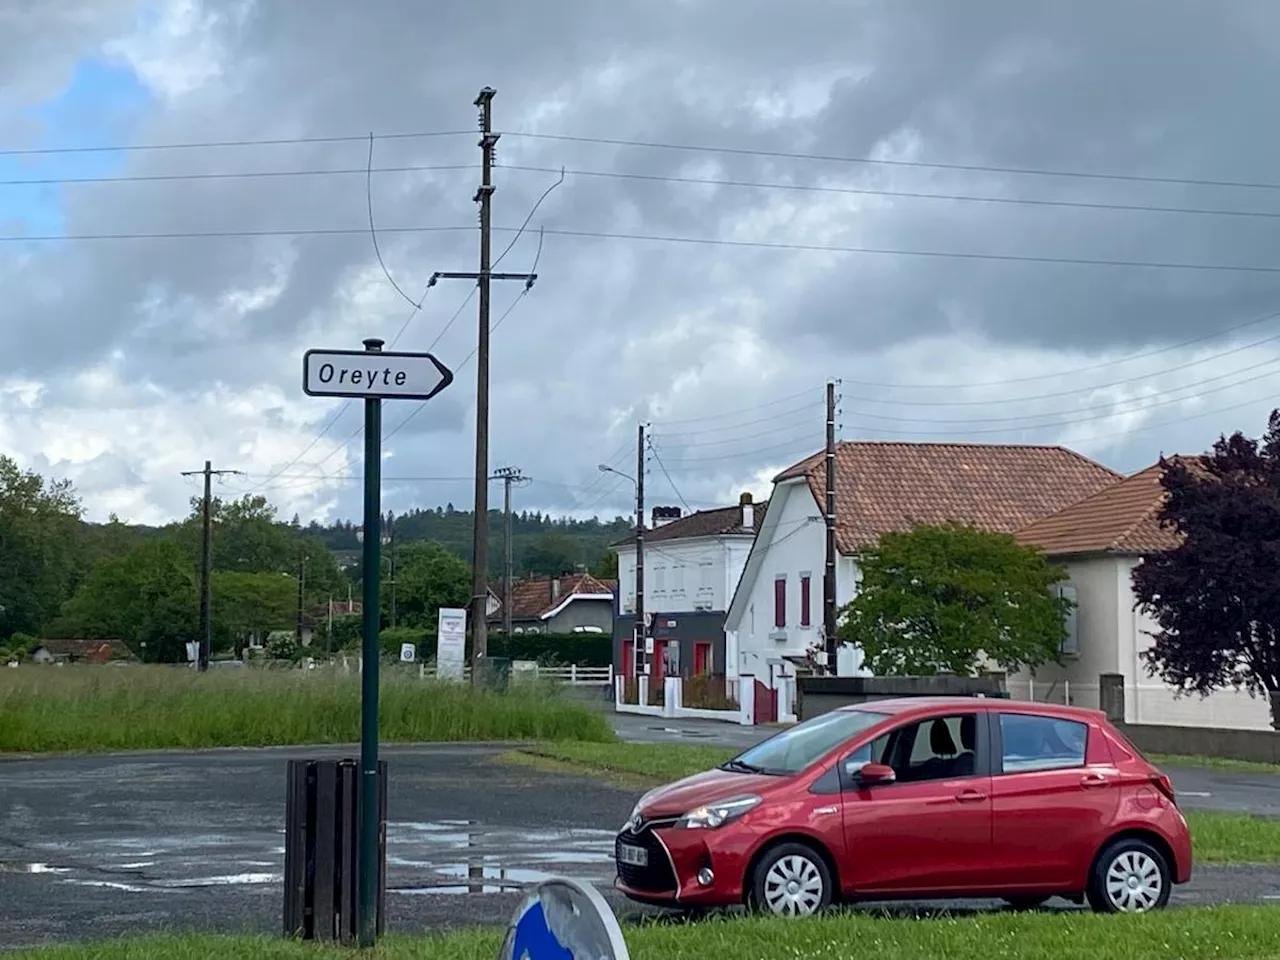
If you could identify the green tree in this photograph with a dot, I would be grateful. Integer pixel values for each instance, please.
(246, 604)
(607, 568)
(39, 525)
(938, 598)
(428, 577)
(552, 554)
(147, 598)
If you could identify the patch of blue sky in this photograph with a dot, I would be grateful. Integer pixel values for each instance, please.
(101, 105)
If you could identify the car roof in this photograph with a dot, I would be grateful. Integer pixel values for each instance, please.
(927, 706)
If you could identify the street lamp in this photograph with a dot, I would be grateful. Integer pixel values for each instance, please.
(605, 468)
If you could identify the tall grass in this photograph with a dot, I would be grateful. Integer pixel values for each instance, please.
(94, 709)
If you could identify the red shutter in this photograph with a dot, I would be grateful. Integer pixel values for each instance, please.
(780, 602)
(804, 601)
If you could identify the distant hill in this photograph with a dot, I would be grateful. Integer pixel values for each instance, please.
(541, 544)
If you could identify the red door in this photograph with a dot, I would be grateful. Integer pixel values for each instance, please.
(701, 658)
(1055, 795)
(931, 830)
(628, 658)
(658, 666)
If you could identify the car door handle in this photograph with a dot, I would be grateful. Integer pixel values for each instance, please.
(1093, 780)
(970, 796)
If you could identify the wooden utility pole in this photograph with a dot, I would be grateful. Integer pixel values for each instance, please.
(508, 476)
(302, 580)
(206, 560)
(829, 515)
(640, 631)
(391, 546)
(480, 529)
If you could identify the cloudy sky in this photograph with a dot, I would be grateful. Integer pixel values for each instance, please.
(993, 221)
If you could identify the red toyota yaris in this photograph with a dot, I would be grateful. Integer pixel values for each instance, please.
(916, 798)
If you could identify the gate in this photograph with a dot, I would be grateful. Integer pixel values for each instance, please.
(766, 701)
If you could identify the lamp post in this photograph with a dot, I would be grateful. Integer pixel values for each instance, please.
(638, 631)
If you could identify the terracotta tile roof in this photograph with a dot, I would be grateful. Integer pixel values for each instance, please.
(1119, 519)
(94, 651)
(718, 522)
(886, 487)
(535, 596)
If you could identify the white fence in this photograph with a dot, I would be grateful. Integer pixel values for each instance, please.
(572, 675)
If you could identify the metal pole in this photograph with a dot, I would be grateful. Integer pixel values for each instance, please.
(302, 575)
(829, 572)
(367, 910)
(639, 628)
(480, 531)
(507, 480)
(206, 570)
(391, 540)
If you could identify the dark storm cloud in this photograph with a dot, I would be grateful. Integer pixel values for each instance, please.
(1166, 89)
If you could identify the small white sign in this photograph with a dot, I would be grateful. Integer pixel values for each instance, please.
(408, 652)
(451, 642)
(373, 375)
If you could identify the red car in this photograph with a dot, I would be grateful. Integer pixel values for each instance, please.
(916, 798)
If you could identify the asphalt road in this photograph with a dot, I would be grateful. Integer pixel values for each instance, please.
(98, 846)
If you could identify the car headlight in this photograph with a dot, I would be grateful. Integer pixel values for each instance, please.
(712, 815)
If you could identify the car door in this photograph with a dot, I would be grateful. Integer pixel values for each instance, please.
(930, 830)
(1055, 791)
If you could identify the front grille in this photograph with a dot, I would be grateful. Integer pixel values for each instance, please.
(657, 877)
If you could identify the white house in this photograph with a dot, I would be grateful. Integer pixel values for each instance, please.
(692, 564)
(1100, 541)
(881, 487)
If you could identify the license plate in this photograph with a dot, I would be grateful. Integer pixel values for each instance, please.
(633, 856)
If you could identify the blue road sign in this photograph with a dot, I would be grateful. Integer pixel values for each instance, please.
(563, 919)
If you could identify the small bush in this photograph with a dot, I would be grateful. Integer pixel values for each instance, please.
(707, 692)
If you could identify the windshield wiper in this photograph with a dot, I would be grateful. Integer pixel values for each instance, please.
(741, 767)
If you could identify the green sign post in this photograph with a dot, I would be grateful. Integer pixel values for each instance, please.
(373, 376)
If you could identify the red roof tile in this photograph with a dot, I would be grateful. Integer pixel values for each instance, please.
(535, 596)
(1122, 518)
(717, 522)
(886, 487)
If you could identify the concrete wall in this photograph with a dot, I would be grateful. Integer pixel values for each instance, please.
(1113, 633)
(819, 695)
(1260, 746)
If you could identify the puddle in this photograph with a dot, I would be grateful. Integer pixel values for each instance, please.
(446, 857)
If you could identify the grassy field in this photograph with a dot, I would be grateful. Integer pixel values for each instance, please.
(94, 709)
(1224, 933)
(1218, 837)
(1214, 763)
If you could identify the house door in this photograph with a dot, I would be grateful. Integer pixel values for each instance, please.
(659, 666)
(628, 658)
(766, 703)
(701, 658)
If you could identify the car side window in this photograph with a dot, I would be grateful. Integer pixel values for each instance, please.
(940, 748)
(1030, 743)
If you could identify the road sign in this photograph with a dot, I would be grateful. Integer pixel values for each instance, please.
(373, 376)
(563, 919)
(451, 642)
(408, 652)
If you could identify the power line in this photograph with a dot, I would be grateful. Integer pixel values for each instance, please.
(663, 466)
(211, 144)
(373, 234)
(734, 413)
(807, 408)
(236, 175)
(672, 239)
(916, 164)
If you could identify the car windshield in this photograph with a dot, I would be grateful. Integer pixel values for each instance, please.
(793, 750)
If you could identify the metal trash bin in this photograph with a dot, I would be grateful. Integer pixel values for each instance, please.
(321, 849)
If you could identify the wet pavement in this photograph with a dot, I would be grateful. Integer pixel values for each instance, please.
(97, 846)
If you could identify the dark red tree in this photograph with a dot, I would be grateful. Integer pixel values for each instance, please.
(1216, 597)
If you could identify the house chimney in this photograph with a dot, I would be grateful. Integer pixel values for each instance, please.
(555, 589)
(748, 511)
(664, 515)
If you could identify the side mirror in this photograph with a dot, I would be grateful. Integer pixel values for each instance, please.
(876, 774)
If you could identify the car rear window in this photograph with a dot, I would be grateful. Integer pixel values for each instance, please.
(1031, 742)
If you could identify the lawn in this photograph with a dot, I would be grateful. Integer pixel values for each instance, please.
(1214, 763)
(1218, 837)
(1238, 933)
(94, 709)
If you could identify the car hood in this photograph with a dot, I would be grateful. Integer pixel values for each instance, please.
(677, 799)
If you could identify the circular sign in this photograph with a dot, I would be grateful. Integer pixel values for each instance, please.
(562, 919)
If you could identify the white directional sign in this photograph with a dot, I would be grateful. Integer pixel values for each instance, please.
(371, 375)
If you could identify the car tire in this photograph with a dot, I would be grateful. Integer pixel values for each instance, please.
(1026, 903)
(1129, 876)
(791, 880)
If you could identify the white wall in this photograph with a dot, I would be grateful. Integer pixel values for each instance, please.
(683, 575)
(1112, 636)
(796, 543)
